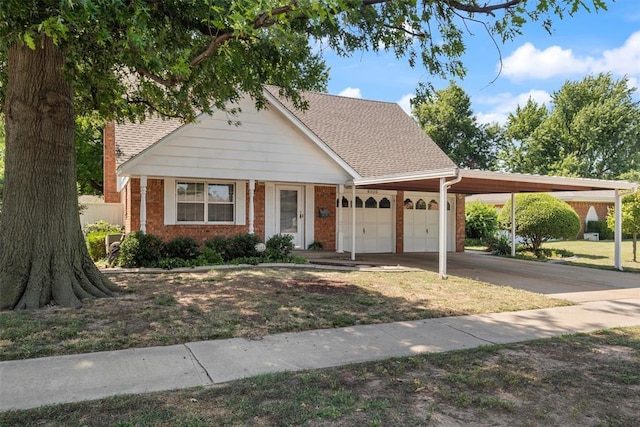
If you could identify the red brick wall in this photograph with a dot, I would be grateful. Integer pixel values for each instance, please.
(109, 164)
(155, 215)
(400, 222)
(460, 222)
(325, 228)
(582, 208)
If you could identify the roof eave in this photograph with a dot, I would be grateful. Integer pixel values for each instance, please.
(544, 179)
(414, 176)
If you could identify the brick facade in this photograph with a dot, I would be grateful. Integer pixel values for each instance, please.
(582, 208)
(110, 180)
(325, 228)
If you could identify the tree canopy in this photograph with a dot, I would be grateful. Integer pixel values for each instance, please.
(446, 116)
(60, 59)
(592, 130)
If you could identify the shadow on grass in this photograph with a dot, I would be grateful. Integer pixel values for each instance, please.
(175, 308)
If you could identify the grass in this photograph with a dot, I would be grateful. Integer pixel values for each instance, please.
(586, 253)
(584, 379)
(173, 308)
(597, 254)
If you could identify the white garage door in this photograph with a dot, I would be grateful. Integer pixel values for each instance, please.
(374, 223)
(421, 222)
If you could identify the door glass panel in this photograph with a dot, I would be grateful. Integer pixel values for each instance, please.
(371, 203)
(288, 211)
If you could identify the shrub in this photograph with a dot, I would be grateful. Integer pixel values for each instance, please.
(96, 245)
(238, 246)
(499, 245)
(539, 218)
(481, 220)
(315, 246)
(600, 227)
(217, 244)
(209, 257)
(182, 247)
(241, 246)
(279, 248)
(140, 250)
(103, 227)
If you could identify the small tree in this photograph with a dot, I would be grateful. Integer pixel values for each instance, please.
(539, 218)
(481, 220)
(630, 220)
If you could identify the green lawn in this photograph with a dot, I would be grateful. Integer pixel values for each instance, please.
(596, 254)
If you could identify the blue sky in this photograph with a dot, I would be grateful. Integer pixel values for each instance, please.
(535, 64)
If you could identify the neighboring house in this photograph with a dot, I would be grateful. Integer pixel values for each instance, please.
(353, 174)
(589, 205)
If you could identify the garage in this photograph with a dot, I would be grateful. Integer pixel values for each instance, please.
(421, 219)
(374, 231)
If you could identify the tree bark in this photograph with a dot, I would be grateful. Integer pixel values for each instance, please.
(43, 255)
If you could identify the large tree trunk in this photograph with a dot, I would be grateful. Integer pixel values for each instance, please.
(43, 256)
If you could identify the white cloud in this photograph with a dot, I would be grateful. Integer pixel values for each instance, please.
(622, 60)
(405, 102)
(528, 62)
(502, 105)
(351, 92)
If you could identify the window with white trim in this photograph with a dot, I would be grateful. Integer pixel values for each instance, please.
(209, 202)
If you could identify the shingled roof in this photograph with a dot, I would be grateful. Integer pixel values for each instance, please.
(375, 138)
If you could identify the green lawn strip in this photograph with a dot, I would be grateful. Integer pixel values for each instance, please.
(173, 308)
(598, 254)
(583, 379)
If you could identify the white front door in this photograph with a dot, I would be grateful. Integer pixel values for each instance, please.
(290, 213)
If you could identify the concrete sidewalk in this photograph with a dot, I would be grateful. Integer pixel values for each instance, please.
(36, 382)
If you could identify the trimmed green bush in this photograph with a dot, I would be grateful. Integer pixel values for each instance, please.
(600, 227)
(541, 217)
(481, 220)
(238, 246)
(96, 245)
(140, 250)
(182, 247)
(279, 248)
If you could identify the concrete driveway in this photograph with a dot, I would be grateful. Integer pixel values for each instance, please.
(578, 284)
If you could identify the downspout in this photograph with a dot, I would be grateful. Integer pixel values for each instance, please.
(442, 235)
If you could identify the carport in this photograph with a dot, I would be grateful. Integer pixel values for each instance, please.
(469, 181)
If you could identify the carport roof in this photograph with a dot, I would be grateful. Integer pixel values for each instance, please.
(485, 182)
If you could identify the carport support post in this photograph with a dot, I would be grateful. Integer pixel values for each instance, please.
(618, 231)
(513, 225)
(340, 248)
(442, 235)
(353, 222)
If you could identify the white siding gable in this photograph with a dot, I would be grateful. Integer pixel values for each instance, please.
(265, 146)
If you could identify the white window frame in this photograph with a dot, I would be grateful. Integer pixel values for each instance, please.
(171, 201)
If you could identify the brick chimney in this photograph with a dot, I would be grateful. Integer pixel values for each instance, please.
(110, 185)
